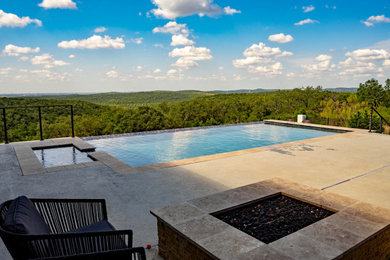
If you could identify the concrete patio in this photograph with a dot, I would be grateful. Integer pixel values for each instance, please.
(354, 164)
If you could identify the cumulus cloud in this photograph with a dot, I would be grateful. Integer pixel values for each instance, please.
(137, 40)
(50, 75)
(60, 4)
(260, 58)
(171, 72)
(323, 63)
(376, 19)
(386, 63)
(368, 54)
(72, 56)
(357, 68)
(180, 39)
(47, 61)
(112, 74)
(189, 54)
(307, 9)
(139, 68)
(94, 42)
(173, 28)
(100, 29)
(157, 71)
(13, 50)
(171, 9)
(12, 20)
(231, 11)
(280, 38)
(5, 71)
(306, 21)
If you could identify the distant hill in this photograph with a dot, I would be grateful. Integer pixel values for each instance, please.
(258, 90)
(131, 99)
(348, 90)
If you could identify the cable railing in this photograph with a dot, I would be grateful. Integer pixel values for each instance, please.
(39, 118)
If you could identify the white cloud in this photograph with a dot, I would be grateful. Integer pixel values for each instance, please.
(386, 63)
(47, 61)
(307, 9)
(112, 74)
(376, 19)
(50, 75)
(12, 20)
(280, 38)
(173, 28)
(189, 54)
(158, 45)
(368, 54)
(24, 58)
(171, 9)
(139, 68)
(5, 71)
(291, 74)
(323, 64)
(13, 50)
(72, 56)
(171, 72)
(306, 21)
(61, 4)
(180, 39)
(357, 68)
(94, 42)
(220, 68)
(257, 55)
(231, 11)
(100, 29)
(137, 40)
(157, 71)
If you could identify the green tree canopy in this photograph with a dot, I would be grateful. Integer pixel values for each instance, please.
(372, 92)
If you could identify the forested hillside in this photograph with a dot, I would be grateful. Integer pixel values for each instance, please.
(132, 99)
(321, 106)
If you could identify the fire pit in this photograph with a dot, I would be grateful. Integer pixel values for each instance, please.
(273, 219)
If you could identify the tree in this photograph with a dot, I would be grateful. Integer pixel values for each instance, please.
(372, 92)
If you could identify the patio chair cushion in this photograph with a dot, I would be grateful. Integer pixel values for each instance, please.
(100, 226)
(23, 218)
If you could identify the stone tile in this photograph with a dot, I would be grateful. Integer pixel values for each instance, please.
(334, 236)
(359, 226)
(210, 203)
(202, 227)
(257, 189)
(334, 201)
(302, 247)
(177, 213)
(235, 197)
(262, 253)
(229, 243)
(369, 212)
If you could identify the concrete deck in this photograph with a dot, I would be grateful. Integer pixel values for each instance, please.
(354, 164)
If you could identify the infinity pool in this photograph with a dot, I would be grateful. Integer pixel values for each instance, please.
(139, 150)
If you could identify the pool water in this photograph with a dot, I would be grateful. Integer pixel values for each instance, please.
(139, 150)
(60, 156)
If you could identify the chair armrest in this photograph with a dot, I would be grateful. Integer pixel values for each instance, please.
(64, 215)
(136, 253)
(54, 245)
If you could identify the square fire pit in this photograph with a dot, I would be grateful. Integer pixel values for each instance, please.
(273, 219)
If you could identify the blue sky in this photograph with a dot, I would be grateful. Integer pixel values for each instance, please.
(100, 46)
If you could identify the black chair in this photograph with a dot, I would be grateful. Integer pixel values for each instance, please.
(63, 229)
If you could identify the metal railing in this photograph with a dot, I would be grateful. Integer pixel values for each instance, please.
(382, 119)
(39, 116)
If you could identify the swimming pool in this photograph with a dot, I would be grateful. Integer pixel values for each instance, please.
(139, 150)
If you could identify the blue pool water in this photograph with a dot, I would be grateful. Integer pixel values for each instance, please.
(61, 156)
(148, 149)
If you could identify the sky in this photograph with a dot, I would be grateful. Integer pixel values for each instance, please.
(82, 46)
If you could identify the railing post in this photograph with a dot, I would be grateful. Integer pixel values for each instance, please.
(380, 129)
(370, 126)
(71, 119)
(40, 122)
(5, 127)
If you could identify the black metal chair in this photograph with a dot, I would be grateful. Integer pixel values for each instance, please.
(79, 229)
